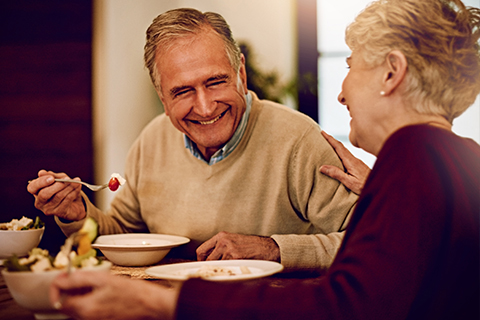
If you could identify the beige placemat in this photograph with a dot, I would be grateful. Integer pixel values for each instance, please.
(132, 272)
(139, 272)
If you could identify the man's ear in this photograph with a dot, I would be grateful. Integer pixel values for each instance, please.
(242, 72)
(396, 70)
(160, 96)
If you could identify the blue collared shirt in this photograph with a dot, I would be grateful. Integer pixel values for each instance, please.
(230, 145)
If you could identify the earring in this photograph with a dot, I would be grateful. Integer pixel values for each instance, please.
(382, 93)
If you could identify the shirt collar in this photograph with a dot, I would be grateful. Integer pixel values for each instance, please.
(230, 145)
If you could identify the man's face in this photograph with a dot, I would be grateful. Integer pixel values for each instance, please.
(201, 93)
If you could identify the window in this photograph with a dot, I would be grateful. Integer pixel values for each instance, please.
(332, 19)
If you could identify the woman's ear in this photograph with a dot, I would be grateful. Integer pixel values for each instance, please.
(396, 70)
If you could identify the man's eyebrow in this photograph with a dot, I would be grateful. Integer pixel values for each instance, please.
(218, 77)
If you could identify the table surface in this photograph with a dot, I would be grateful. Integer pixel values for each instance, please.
(10, 310)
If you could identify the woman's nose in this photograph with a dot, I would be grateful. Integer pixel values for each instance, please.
(341, 98)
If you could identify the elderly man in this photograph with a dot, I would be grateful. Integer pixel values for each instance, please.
(221, 167)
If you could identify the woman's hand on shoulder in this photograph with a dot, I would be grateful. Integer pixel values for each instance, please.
(356, 171)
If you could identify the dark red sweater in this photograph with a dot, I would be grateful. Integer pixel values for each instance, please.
(411, 250)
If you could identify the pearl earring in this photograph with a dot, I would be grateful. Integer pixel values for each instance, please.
(382, 93)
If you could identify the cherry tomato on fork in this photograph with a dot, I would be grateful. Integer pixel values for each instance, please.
(113, 184)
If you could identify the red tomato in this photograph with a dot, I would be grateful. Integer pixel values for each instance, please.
(113, 184)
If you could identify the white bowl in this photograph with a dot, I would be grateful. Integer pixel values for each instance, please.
(19, 242)
(137, 249)
(31, 289)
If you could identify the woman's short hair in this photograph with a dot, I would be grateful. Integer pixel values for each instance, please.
(178, 23)
(439, 39)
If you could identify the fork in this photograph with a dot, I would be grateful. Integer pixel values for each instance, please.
(89, 186)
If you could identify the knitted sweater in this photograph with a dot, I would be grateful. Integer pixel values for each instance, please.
(269, 185)
(411, 250)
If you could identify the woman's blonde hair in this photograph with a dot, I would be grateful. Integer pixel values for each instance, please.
(439, 39)
(178, 23)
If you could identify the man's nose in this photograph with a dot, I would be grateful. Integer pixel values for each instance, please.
(204, 104)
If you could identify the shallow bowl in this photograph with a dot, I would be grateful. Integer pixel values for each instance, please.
(31, 289)
(19, 242)
(137, 249)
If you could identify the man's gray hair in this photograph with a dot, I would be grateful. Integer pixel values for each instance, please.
(178, 23)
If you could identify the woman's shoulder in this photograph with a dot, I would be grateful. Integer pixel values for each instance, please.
(421, 135)
(421, 146)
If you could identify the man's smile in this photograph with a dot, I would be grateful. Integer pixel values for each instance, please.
(212, 120)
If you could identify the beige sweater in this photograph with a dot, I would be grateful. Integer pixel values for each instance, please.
(269, 185)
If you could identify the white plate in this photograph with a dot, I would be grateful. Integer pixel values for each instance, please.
(183, 271)
(138, 241)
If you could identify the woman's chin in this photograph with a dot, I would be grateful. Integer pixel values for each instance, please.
(353, 139)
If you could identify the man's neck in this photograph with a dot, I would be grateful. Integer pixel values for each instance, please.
(207, 153)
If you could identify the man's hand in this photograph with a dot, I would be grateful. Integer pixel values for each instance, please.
(57, 198)
(356, 170)
(228, 246)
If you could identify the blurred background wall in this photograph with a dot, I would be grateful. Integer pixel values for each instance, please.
(45, 100)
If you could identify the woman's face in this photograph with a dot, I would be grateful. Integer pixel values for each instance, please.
(360, 94)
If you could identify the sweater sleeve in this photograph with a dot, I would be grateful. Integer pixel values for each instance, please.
(319, 199)
(308, 251)
(123, 216)
(108, 225)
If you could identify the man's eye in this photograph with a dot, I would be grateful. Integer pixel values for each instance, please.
(216, 83)
(180, 93)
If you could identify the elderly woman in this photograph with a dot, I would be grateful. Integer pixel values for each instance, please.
(411, 250)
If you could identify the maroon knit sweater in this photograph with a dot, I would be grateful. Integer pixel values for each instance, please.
(411, 250)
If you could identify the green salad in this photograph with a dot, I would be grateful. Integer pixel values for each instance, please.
(39, 260)
(23, 224)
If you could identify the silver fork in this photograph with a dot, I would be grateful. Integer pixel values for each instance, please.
(89, 186)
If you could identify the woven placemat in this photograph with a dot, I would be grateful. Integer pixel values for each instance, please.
(131, 272)
(139, 272)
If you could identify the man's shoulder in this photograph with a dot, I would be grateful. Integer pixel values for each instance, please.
(278, 125)
(159, 124)
(159, 130)
(278, 114)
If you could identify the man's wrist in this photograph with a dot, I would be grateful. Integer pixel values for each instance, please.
(63, 220)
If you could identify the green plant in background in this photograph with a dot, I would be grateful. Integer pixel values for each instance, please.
(267, 85)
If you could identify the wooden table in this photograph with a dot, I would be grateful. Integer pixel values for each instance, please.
(10, 310)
